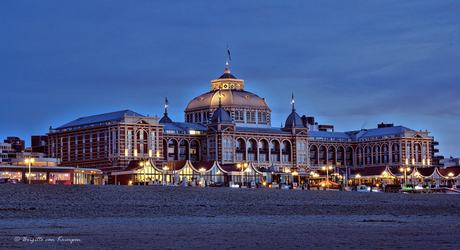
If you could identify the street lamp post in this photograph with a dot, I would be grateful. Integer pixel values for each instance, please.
(405, 169)
(144, 164)
(202, 170)
(29, 161)
(242, 173)
(287, 177)
(165, 168)
(451, 175)
(247, 175)
(294, 174)
(327, 175)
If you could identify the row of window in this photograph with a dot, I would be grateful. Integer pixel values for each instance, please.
(250, 116)
(379, 137)
(239, 116)
(328, 139)
(89, 125)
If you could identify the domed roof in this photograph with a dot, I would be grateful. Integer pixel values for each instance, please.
(293, 121)
(233, 95)
(221, 116)
(230, 98)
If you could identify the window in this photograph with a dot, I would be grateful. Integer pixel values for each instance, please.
(259, 116)
(58, 176)
(285, 158)
(274, 157)
(152, 141)
(253, 116)
(263, 157)
(302, 158)
(248, 116)
(237, 115)
(37, 176)
(11, 175)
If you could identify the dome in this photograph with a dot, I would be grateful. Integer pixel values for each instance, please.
(233, 95)
(230, 98)
(221, 116)
(244, 108)
(293, 121)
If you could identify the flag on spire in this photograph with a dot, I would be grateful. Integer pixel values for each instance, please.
(292, 101)
(166, 102)
(228, 51)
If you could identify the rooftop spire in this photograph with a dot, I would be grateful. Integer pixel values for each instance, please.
(292, 101)
(165, 118)
(166, 105)
(226, 68)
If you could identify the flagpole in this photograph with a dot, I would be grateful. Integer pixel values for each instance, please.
(228, 54)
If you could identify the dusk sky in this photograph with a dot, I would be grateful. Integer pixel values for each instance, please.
(351, 64)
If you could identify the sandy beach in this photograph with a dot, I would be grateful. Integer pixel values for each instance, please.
(132, 217)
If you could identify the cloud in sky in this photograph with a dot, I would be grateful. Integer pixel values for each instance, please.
(349, 63)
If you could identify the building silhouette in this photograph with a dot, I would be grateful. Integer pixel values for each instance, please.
(230, 125)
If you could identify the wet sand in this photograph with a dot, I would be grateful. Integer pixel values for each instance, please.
(128, 217)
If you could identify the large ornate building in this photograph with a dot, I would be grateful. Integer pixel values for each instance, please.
(230, 125)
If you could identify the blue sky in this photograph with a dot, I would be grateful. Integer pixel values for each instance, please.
(352, 64)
